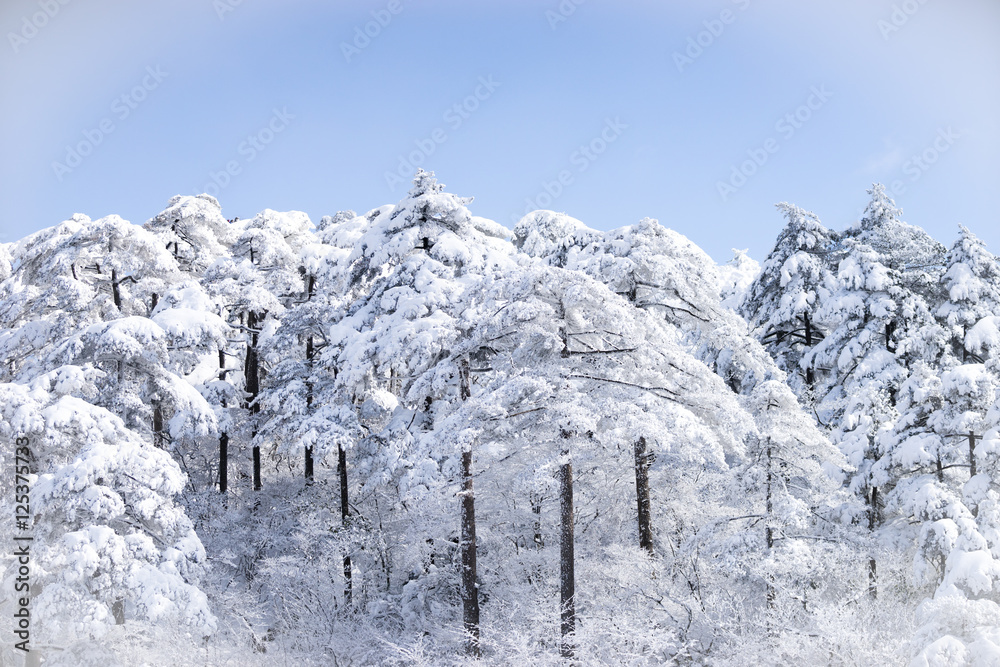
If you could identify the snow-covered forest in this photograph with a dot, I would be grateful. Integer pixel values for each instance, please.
(415, 436)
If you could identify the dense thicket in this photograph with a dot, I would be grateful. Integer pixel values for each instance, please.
(414, 436)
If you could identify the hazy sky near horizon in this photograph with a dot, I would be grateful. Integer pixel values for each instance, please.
(700, 114)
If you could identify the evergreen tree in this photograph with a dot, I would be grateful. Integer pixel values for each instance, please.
(781, 302)
(193, 230)
(110, 545)
(972, 285)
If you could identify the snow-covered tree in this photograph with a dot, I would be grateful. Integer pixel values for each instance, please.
(550, 442)
(193, 230)
(972, 284)
(253, 288)
(76, 274)
(406, 281)
(735, 278)
(905, 248)
(863, 375)
(110, 546)
(781, 302)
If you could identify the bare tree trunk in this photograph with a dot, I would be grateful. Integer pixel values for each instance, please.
(642, 495)
(972, 465)
(177, 249)
(810, 373)
(224, 436)
(470, 590)
(116, 289)
(344, 512)
(310, 289)
(223, 462)
(309, 400)
(252, 374)
(768, 530)
(567, 576)
(972, 454)
(257, 485)
(872, 523)
(158, 437)
(890, 329)
(536, 509)
(118, 611)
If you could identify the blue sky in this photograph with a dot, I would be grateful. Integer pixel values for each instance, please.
(700, 114)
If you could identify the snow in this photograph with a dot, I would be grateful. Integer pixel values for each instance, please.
(984, 336)
(794, 419)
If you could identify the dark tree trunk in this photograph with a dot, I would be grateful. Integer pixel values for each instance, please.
(177, 249)
(223, 462)
(972, 464)
(118, 611)
(642, 495)
(309, 401)
(769, 530)
(153, 300)
(536, 509)
(872, 523)
(972, 454)
(158, 425)
(252, 373)
(257, 485)
(223, 437)
(470, 590)
(344, 513)
(116, 289)
(310, 289)
(890, 329)
(810, 373)
(873, 577)
(567, 576)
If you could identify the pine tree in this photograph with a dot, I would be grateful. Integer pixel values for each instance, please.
(972, 284)
(254, 287)
(194, 231)
(111, 547)
(780, 304)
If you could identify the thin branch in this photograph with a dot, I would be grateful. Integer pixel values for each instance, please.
(622, 382)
